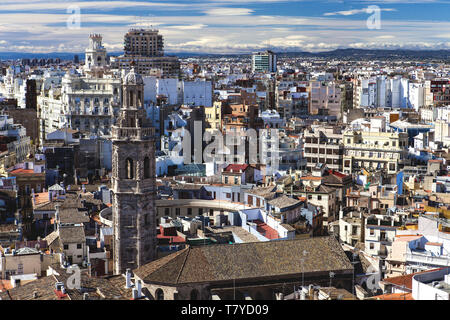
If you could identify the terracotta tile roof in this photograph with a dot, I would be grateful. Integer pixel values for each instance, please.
(406, 280)
(265, 230)
(284, 202)
(236, 167)
(72, 234)
(335, 293)
(267, 193)
(21, 171)
(225, 262)
(311, 178)
(72, 215)
(98, 288)
(438, 244)
(394, 296)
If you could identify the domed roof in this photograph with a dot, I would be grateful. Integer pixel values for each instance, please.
(133, 78)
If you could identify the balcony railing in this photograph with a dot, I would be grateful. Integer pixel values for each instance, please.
(428, 259)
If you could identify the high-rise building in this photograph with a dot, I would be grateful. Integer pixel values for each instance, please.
(133, 180)
(440, 88)
(145, 48)
(264, 61)
(144, 43)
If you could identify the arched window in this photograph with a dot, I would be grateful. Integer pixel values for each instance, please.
(194, 294)
(146, 168)
(129, 168)
(131, 99)
(159, 294)
(139, 97)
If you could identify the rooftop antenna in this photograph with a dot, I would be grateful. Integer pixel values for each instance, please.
(332, 274)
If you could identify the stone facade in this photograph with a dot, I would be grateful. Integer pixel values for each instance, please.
(133, 181)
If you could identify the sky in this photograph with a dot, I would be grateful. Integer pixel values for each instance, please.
(227, 26)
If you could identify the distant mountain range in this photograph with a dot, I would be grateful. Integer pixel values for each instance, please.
(345, 54)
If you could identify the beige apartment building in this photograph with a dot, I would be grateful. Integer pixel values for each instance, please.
(213, 116)
(325, 96)
(374, 151)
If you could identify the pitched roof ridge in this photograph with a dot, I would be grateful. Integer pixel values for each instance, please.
(188, 249)
(164, 260)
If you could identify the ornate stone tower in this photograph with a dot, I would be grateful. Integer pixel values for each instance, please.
(96, 53)
(133, 180)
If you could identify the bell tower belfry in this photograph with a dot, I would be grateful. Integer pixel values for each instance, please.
(133, 180)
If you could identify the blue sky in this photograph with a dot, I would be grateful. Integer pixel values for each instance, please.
(227, 26)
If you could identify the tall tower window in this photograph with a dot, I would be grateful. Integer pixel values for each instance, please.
(146, 168)
(131, 99)
(129, 167)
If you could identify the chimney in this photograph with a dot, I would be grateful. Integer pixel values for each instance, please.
(139, 288)
(316, 295)
(89, 269)
(447, 279)
(128, 275)
(302, 295)
(135, 294)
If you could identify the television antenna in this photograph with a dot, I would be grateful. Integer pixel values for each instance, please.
(332, 274)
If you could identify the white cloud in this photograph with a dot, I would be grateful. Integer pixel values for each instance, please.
(215, 28)
(229, 12)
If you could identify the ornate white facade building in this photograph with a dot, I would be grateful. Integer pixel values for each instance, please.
(87, 101)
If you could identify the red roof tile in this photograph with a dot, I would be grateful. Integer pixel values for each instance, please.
(406, 280)
(236, 167)
(395, 296)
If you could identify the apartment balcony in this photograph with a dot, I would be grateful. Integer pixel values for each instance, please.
(373, 147)
(426, 258)
(323, 155)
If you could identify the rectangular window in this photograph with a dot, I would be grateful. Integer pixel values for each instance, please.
(66, 247)
(189, 211)
(78, 245)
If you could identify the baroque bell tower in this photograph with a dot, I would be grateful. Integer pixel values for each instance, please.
(133, 180)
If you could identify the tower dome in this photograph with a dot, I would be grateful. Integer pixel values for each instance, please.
(133, 78)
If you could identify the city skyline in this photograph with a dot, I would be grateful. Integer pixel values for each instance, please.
(227, 26)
